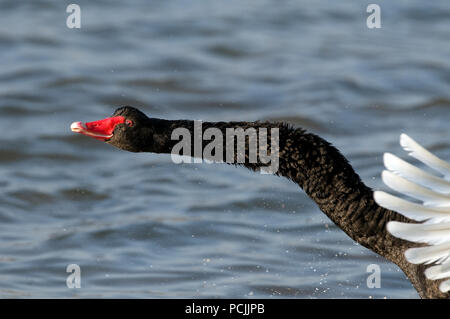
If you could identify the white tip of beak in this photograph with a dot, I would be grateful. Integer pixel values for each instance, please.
(77, 127)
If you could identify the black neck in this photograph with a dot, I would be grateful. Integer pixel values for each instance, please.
(312, 163)
(326, 177)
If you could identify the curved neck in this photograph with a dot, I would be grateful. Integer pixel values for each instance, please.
(311, 162)
(308, 160)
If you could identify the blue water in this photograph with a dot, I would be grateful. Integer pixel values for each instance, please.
(140, 226)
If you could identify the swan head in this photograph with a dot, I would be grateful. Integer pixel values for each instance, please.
(127, 128)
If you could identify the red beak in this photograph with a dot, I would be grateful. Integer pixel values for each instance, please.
(101, 130)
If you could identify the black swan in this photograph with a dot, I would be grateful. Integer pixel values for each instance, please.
(327, 177)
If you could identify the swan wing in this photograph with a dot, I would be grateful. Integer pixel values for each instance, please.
(433, 208)
(425, 156)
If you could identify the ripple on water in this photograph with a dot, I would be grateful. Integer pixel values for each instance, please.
(31, 198)
(21, 110)
(232, 52)
(168, 85)
(82, 194)
(72, 81)
(27, 97)
(14, 156)
(140, 226)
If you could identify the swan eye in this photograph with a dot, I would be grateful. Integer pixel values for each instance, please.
(129, 123)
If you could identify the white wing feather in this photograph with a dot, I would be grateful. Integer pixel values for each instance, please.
(414, 174)
(402, 185)
(438, 271)
(411, 210)
(432, 234)
(434, 211)
(427, 255)
(423, 155)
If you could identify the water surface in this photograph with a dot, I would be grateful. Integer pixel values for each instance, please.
(140, 226)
